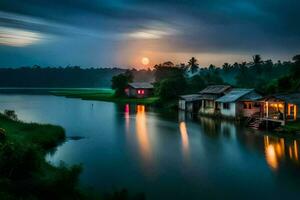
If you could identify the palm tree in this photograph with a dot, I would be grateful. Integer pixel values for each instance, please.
(226, 67)
(193, 64)
(257, 61)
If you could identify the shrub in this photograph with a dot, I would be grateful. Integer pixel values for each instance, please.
(2, 134)
(11, 114)
(19, 161)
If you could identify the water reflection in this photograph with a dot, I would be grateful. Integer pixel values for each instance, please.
(184, 138)
(278, 149)
(127, 117)
(142, 134)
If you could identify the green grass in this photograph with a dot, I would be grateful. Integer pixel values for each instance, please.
(44, 135)
(24, 172)
(292, 127)
(103, 95)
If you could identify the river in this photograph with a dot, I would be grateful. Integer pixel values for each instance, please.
(165, 156)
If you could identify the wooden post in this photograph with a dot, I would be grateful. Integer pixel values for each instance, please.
(267, 109)
(284, 111)
(295, 112)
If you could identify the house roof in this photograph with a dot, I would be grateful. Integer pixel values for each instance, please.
(141, 85)
(215, 89)
(209, 96)
(290, 98)
(239, 94)
(191, 97)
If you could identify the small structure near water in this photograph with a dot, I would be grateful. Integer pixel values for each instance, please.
(190, 103)
(204, 101)
(281, 108)
(209, 95)
(139, 89)
(239, 103)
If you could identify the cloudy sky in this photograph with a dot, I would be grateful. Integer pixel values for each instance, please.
(119, 33)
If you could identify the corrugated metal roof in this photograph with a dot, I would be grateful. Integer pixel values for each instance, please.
(234, 95)
(141, 85)
(289, 98)
(191, 97)
(215, 89)
(209, 96)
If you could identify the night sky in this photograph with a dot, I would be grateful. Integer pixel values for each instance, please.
(119, 33)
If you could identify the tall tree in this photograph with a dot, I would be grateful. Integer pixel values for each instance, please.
(193, 64)
(257, 61)
(120, 82)
(226, 67)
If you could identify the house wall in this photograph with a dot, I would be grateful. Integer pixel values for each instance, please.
(246, 112)
(207, 107)
(181, 104)
(231, 112)
(134, 93)
(189, 106)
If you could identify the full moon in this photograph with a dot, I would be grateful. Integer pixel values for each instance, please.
(145, 61)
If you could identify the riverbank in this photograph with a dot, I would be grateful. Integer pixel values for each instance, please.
(24, 173)
(103, 95)
(291, 128)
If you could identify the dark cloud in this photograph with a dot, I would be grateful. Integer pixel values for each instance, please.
(189, 26)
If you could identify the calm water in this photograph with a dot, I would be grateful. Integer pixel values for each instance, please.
(170, 157)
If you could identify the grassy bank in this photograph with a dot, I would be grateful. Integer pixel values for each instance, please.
(292, 127)
(103, 95)
(45, 136)
(24, 173)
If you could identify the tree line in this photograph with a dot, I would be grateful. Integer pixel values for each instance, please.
(265, 76)
(67, 77)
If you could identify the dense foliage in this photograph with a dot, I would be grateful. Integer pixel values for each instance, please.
(56, 77)
(120, 82)
(68, 77)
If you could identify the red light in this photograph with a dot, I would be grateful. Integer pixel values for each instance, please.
(143, 92)
(127, 108)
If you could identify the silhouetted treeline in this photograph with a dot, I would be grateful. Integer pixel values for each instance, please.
(37, 76)
(263, 75)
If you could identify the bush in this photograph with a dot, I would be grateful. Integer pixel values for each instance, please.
(11, 114)
(19, 161)
(2, 134)
(170, 88)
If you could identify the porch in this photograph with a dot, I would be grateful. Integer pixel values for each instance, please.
(277, 110)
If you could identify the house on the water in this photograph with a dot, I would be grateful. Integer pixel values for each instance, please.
(204, 101)
(239, 103)
(139, 89)
(280, 108)
(190, 103)
(208, 97)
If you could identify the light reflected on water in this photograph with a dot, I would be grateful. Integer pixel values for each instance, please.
(127, 117)
(184, 138)
(142, 134)
(277, 149)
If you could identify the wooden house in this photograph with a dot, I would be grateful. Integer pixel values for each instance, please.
(281, 108)
(239, 103)
(208, 97)
(139, 89)
(190, 103)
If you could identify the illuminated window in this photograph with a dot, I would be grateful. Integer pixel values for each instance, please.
(141, 92)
